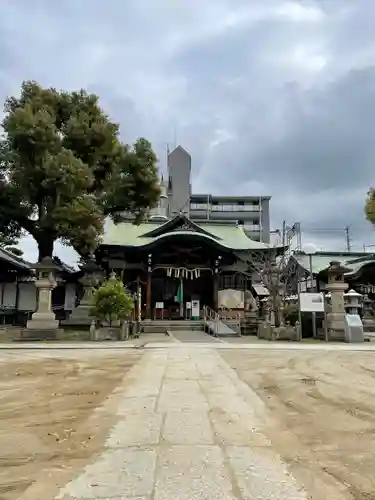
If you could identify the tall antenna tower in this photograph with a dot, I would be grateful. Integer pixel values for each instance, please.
(348, 239)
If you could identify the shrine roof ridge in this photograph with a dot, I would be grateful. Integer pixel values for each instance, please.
(230, 236)
(355, 261)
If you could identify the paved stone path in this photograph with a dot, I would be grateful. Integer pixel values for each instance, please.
(189, 429)
(192, 336)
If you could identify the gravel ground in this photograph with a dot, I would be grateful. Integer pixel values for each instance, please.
(48, 414)
(189, 422)
(322, 415)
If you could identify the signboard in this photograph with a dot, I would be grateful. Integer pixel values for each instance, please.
(159, 305)
(195, 309)
(231, 299)
(188, 305)
(311, 302)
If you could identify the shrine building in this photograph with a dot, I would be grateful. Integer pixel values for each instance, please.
(173, 263)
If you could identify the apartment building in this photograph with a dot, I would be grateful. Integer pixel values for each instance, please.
(253, 212)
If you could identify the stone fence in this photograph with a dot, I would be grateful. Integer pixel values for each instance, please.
(266, 331)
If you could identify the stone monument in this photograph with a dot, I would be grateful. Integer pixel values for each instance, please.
(43, 324)
(354, 325)
(336, 319)
(92, 273)
(249, 322)
(368, 318)
(353, 304)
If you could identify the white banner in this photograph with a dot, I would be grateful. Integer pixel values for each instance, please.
(195, 309)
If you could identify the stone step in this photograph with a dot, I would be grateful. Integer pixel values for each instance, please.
(161, 326)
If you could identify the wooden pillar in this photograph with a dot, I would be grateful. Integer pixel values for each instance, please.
(216, 292)
(246, 296)
(15, 319)
(216, 284)
(148, 290)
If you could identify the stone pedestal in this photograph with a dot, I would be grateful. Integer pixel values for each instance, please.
(43, 323)
(80, 316)
(336, 319)
(368, 319)
(250, 323)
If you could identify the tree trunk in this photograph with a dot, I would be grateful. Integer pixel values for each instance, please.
(45, 247)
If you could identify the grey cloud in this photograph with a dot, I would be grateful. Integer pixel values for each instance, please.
(328, 137)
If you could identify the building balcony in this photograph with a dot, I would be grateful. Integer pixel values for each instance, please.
(246, 217)
(231, 208)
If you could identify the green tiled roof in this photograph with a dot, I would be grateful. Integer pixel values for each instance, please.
(227, 235)
(356, 265)
(13, 259)
(320, 261)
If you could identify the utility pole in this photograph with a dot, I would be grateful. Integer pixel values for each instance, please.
(283, 233)
(347, 235)
(299, 236)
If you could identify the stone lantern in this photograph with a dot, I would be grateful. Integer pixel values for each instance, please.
(336, 318)
(352, 305)
(92, 274)
(43, 323)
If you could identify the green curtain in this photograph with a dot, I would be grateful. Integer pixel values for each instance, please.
(180, 293)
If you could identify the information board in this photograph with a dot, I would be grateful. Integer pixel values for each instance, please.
(311, 302)
(195, 309)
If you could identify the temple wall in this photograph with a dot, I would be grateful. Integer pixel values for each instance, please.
(8, 295)
(70, 296)
(27, 298)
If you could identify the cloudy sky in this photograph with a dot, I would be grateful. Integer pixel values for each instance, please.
(270, 97)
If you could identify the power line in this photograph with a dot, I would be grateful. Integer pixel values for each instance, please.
(345, 229)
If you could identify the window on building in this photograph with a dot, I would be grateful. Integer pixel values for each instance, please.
(250, 207)
(227, 207)
(251, 227)
(199, 206)
(242, 206)
(232, 281)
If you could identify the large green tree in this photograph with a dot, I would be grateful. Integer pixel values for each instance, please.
(63, 169)
(370, 206)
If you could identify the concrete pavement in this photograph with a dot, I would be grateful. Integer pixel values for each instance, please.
(188, 429)
(191, 336)
(207, 345)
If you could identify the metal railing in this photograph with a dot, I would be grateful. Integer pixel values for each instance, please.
(226, 314)
(221, 317)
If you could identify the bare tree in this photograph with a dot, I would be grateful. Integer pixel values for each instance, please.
(270, 267)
